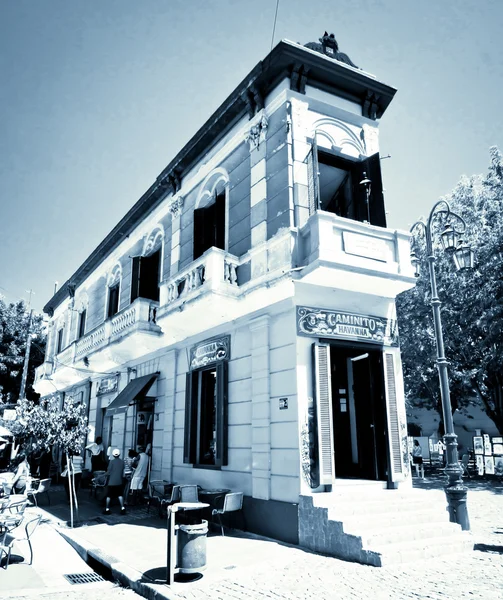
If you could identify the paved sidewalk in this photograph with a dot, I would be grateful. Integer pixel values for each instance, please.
(245, 566)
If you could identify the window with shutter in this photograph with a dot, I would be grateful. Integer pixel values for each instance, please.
(82, 324)
(209, 226)
(334, 186)
(205, 439)
(113, 300)
(323, 395)
(394, 437)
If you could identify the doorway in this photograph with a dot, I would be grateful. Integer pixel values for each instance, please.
(359, 412)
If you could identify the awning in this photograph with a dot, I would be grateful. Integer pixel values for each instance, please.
(134, 390)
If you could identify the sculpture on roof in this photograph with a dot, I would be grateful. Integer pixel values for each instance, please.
(329, 47)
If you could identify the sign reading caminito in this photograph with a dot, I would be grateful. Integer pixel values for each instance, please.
(321, 322)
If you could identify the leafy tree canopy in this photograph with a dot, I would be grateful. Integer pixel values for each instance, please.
(14, 322)
(472, 307)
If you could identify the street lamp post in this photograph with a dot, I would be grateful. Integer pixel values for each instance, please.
(454, 226)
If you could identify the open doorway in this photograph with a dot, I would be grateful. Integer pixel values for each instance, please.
(359, 412)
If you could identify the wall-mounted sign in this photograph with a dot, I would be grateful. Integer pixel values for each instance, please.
(210, 351)
(367, 246)
(107, 385)
(283, 403)
(319, 322)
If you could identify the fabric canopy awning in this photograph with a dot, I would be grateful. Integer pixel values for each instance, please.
(134, 390)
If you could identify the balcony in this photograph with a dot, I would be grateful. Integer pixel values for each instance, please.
(358, 257)
(125, 336)
(197, 297)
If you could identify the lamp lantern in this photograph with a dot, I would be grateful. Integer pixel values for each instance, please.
(449, 238)
(463, 256)
(416, 263)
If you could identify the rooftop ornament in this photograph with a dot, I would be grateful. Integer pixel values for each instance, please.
(329, 47)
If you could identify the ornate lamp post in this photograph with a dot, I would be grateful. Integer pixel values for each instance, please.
(462, 254)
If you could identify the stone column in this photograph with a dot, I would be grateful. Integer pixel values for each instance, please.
(261, 409)
(176, 211)
(169, 369)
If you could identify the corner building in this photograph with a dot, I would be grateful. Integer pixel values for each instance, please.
(241, 317)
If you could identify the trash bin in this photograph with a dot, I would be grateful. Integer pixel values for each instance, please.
(192, 547)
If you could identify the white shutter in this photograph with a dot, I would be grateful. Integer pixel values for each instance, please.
(313, 186)
(394, 438)
(323, 394)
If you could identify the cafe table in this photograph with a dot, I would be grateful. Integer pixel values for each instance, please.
(213, 497)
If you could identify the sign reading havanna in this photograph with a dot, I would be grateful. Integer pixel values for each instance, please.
(320, 322)
(210, 351)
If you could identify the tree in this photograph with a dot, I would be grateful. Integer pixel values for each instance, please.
(43, 425)
(472, 308)
(14, 324)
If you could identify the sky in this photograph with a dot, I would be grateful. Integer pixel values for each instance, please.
(98, 96)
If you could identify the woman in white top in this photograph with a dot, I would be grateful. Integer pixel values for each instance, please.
(140, 471)
(22, 475)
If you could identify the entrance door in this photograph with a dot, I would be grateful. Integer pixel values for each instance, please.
(359, 413)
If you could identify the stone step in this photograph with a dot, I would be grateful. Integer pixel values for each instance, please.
(438, 547)
(393, 519)
(347, 509)
(377, 539)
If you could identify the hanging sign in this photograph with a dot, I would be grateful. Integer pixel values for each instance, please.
(107, 385)
(320, 322)
(210, 351)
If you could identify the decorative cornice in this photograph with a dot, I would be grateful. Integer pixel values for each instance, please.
(257, 133)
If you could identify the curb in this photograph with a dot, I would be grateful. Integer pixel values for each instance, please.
(126, 575)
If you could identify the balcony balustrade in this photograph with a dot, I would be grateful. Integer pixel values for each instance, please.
(214, 271)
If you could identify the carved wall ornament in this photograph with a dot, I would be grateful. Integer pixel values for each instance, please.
(370, 107)
(298, 78)
(115, 275)
(370, 138)
(257, 133)
(176, 206)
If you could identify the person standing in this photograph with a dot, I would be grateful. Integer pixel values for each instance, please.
(115, 487)
(22, 476)
(128, 472)
(417, 458)
(141, 469)
(97, 452)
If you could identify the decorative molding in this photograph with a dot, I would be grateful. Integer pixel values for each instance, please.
(115, 275)
(298, 78)
(257, 133)
(370, 107)
(154, 240)
(176, 206)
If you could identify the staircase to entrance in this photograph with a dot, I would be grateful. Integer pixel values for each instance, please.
(380, 527)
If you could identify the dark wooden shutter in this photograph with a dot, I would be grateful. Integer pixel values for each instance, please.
(220, 221)
(313, 185)
(222, 411)
(393, 418)
(82, 324)
(377, 209)
(199, 233)
(135, 278)
(189, 434)
(323, 395)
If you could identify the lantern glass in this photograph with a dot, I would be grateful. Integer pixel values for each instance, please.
(415, 262)
(463, 257)
(449, 238)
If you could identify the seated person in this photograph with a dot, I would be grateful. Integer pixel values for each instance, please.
(21, 476)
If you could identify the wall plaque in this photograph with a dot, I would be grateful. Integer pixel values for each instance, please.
(210, 351)
(107, 385)
(319, 322)
(366, 246)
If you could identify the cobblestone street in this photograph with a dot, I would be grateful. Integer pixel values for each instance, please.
(300, 575)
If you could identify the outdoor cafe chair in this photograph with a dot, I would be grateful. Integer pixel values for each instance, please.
(189, 493)
(43, 488)
(98, 482)
(9, 539)
(232, 502)
(156, 492)
(12, 512)
(169, 499)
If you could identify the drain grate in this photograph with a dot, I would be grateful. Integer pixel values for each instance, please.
(75, 578)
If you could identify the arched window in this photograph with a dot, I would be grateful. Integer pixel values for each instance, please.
(211, 213)
(113, 284)
(147, 269)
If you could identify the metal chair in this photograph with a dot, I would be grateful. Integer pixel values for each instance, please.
(169, 499)
(29, 528)
(156, 492)
(12, 513)
(189, 493)
(99, 481)
(232, 502)
(43, 488)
